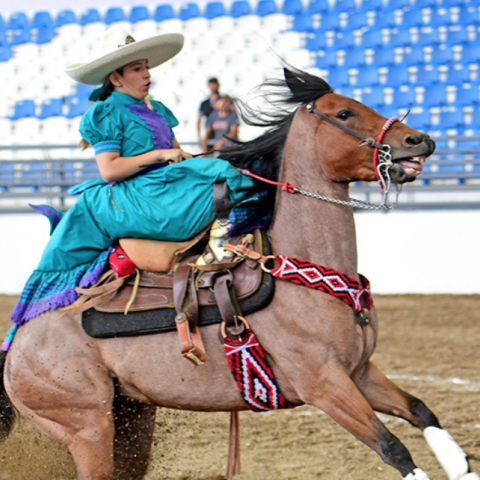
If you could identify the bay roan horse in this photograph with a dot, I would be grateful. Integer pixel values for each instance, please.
(68, 384)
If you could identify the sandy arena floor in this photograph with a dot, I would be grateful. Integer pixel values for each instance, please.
(429, 345)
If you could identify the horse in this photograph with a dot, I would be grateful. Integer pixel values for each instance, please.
(98, 396)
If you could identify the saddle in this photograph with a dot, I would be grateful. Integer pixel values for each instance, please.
(176, 287)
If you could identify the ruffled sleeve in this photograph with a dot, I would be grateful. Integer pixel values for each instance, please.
(165, 113)
(102, 127)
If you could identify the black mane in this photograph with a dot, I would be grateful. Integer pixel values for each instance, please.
(263, 154)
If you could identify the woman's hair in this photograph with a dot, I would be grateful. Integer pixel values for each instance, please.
(107, 89)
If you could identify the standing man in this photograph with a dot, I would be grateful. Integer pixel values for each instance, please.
(206, 107)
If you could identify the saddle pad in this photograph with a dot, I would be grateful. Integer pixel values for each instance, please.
(159, 319)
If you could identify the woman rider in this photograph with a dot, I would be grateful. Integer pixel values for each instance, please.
(150, 187)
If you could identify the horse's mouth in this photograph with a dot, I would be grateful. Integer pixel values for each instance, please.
(407, 169)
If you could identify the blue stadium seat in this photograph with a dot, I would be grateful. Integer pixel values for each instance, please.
(318, 6)
(65, 17)
(17, 36)
(428, 36)
(458, 74)
(330, 21)
(346, 91)
(354, 57)
(435, 95)
(399, 37)
(457, 35)
(369, 5)
(51, 108)
(397, 4)
(468, 94)
(315, 41)
(414, 55)
(383, 56)
(76, 106)
(372, 38)
(90, 16)
(42, 19)
(468, 14)
(114, 14)
(397, 75)
(476, 117)
(1, 21)
(471, 52)
(345, 39)
(373, 97)
(214, 10)
(22, 109)
(17, 20)
(292, 7)
(385, 19)
(442, 54)
(419, 120)
(302, 23)
(439, 17)
(344, 5)
(452, 118)
(427, 75)
(188, 11)
(138, 14)
(41, 35)
(338, 77)
(412, 18)
(404, 97)
(240, 8)
(5, 53)
(357, 20)
(163, 12)
(266, 7)
(368, 76)
(326, 58)
(84, 91)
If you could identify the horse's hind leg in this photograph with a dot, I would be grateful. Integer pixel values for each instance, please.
(134, 425)
(386, 397)
(338, 397)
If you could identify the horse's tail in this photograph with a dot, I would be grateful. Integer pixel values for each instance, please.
(7, 412)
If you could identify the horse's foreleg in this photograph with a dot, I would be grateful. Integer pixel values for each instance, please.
(338, 397)
(134, 425)
(386, 397)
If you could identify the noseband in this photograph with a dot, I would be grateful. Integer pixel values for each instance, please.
(382, 157)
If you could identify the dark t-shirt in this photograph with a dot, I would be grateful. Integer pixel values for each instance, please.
(220, 125)
(206, 107)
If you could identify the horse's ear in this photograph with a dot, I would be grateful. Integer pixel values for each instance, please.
(294, 83)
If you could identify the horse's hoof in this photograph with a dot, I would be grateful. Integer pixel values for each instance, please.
(470, 476)
(418, 474)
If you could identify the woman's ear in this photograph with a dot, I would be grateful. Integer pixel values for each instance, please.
(114, 77)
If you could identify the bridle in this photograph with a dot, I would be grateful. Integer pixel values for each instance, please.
(382, 163)
(382, 156)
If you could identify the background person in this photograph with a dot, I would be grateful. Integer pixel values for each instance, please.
(207, 105)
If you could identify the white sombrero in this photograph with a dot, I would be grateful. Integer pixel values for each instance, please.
(120, 49)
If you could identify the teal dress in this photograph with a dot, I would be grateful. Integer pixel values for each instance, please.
(171, 203)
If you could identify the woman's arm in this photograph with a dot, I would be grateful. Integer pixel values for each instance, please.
(114, 167)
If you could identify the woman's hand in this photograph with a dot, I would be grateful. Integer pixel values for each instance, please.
(173, 155)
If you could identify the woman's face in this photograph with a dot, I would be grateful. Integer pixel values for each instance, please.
(134, 79)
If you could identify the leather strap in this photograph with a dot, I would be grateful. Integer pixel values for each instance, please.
(186, 306)
(233, 463)
(220, 202)
(227, 303)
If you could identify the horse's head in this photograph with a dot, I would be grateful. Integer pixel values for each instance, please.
(355, 141)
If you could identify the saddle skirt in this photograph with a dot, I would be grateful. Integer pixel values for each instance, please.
(153, 307)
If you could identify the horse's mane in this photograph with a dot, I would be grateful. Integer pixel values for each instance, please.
(263, 155)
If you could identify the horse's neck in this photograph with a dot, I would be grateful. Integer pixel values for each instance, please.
(308, 228)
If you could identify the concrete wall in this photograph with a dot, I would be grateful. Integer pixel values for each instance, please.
(400, 252)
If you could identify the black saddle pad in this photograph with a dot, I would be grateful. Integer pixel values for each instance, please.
(107, 325)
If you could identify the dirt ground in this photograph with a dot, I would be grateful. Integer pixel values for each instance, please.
(428, 345)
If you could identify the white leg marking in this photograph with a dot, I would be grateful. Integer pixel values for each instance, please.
(451, 457)
(417, 474)
(470, 476)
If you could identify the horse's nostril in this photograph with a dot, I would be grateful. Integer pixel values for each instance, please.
(414, 139)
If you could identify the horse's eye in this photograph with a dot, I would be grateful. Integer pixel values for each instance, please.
(344, 115)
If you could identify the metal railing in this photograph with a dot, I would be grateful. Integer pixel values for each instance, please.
(451, 179)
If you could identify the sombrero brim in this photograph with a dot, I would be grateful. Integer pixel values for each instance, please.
(156, 50)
